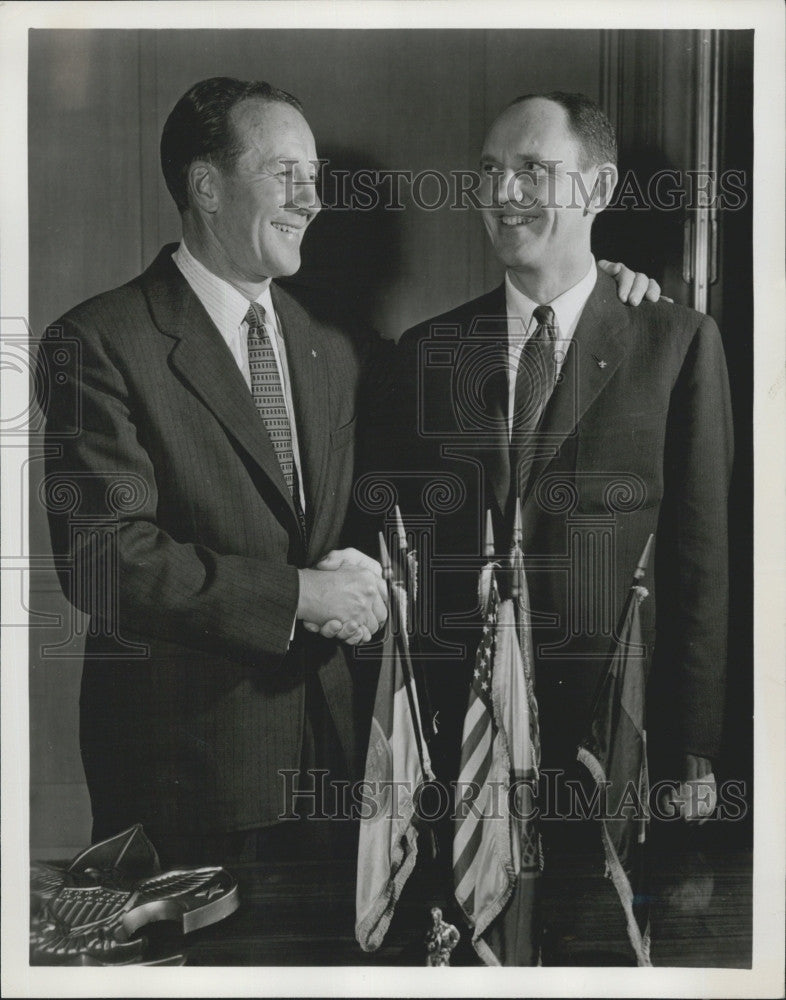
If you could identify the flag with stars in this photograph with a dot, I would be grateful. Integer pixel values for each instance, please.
(496, 847)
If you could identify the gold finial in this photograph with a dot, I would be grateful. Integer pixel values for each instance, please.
(384, 558)
(644, 559)
(517, 533)
(488, 538)
(402, 535)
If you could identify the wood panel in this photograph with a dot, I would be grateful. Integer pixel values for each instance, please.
(85, 229)
(83, 166)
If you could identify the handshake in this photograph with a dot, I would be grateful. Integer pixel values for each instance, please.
(343, 597)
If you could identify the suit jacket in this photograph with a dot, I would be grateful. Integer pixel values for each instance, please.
(173, 528)
(636, 438)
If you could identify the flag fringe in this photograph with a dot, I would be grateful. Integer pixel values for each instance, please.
(370, 931)
(502, 851)
(485, 953)
(640, 942)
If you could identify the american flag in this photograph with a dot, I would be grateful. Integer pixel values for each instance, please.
(476, 757)
(496, 850)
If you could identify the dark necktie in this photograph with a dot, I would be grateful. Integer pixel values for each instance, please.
(535, 378)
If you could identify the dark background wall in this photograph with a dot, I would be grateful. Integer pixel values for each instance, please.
(414, 100)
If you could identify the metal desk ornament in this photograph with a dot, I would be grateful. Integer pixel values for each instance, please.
(86, 914)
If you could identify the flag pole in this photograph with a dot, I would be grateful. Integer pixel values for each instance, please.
(403, 561)
(395, 627)
(488, 538)
(644, 559)
(519, 592)
(408, 563)
(487, 572)
(516, 556)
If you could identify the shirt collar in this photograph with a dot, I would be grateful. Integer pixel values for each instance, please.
(567, 307)
(225, 305)
(266, 301)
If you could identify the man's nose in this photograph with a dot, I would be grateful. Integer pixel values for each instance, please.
(507, 187)
(305, 197)
(501, 186)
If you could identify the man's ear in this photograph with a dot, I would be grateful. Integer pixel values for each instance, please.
(203, 185)
(606, 177)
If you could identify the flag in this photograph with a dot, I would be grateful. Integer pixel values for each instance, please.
(397, 762)
(496, 848)
(615, 753)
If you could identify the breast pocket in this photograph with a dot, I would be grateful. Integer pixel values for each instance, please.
(343, 436)
(619, 463)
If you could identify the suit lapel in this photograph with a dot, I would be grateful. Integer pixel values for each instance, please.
(482, 366)
(496, 457)
(203, 360)
(599, 344)
(308, 373)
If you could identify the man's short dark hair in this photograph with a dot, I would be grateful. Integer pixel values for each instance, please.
(199, 127)
(590, 127)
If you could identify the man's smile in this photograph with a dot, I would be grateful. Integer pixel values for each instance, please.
(517, 220)
(288, 228)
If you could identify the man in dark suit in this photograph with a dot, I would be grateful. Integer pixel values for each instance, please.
(608, 423)
(202, 430)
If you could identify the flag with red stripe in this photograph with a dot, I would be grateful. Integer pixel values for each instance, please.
(496, 847)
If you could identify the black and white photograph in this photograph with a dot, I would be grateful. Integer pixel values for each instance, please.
(393, 474)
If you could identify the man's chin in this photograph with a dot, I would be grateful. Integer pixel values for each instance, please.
(287, 267)
(517, 261)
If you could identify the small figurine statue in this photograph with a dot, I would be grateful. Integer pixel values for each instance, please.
(441, 939)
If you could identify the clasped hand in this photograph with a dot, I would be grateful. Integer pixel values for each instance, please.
(343, 597)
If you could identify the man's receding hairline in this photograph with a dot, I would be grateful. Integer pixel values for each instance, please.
(234, 112)
(264, 99)
(528, 100)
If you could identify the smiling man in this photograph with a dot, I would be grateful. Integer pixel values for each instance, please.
(210, 454)
(606, 423)
(543, 190)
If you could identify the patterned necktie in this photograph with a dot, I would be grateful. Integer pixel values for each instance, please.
(268, 392)
(535, 378)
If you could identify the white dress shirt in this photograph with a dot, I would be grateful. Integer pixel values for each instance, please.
(227, 307)
(567, 307)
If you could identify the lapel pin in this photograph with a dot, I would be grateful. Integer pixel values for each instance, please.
(313, 353)
(599, 361)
